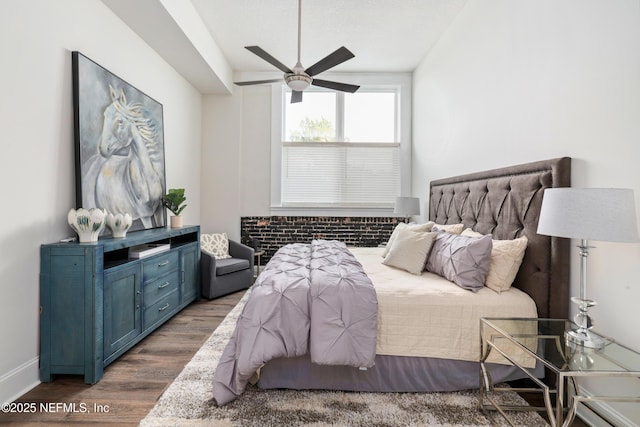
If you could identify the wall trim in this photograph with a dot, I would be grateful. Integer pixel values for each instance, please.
(19, 380)
(600, 414)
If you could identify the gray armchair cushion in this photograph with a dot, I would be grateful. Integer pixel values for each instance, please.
(230, 265)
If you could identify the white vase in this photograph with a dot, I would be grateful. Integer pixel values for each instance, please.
(176, 221)
(119, 224)
(88, 223)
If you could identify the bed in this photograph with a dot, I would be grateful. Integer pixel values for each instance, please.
(504, 203)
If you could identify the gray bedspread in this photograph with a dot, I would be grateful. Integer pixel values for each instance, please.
(310, 299)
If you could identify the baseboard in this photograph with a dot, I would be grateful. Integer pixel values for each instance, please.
(20, 380)
(600, 414)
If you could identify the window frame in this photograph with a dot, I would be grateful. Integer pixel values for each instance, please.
(398, 82)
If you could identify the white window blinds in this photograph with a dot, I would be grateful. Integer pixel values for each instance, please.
(340, 174)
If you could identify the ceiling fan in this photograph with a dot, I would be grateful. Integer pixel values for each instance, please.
(298, 78)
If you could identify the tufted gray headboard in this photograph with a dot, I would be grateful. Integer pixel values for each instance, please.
(506, 203)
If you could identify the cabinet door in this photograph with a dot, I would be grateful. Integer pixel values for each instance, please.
(190, 265)
(122, 307)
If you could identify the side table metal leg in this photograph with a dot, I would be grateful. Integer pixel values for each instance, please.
(258, 267)
(257, 255)
(560, 399)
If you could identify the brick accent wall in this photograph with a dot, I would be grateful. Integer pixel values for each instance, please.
(277, 231)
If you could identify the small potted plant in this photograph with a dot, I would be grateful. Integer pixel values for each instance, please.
(174, 201)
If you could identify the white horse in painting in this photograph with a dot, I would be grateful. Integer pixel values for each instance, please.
(127, 170)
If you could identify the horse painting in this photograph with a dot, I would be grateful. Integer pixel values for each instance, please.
(125, 173)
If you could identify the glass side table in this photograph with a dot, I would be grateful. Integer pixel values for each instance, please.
(524, 341)
(258, 254)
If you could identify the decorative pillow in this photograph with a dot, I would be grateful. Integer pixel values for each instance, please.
(216, 244)
(470, 233)
(506, 258)
(410, 250)
(449, 228)
(413, 227)
(461, 259)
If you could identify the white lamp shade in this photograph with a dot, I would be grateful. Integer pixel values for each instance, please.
(407, 206)
(605, 214)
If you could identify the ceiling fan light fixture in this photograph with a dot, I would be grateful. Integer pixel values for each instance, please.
(297, 82)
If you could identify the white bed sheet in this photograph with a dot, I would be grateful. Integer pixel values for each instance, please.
(429, 316)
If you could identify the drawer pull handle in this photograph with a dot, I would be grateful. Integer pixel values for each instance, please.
(162, 264)
(164, 308)
(164, 285)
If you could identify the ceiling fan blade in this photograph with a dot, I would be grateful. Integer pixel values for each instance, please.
(296, 96)
(343, 87)
(270, 59)
(256, 82)
(337, 57)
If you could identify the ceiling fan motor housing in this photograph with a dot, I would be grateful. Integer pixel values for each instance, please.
(298, 82)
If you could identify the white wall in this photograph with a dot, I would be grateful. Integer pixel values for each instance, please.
(513, 82)
(37, 173)
(236, 158)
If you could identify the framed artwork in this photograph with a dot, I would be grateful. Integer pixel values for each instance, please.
(119, 145)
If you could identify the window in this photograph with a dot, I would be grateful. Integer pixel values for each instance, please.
(339, 151)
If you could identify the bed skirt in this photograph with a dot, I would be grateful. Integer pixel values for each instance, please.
(390, 374)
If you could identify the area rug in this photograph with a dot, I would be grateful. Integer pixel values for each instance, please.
(188, 401)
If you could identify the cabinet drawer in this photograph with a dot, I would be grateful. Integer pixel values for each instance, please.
(160, 288)
(162, 309)
(160, 265)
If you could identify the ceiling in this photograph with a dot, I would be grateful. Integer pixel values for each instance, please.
(384, 35)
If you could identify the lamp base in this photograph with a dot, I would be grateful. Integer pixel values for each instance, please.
(585, 338)
(579, 357)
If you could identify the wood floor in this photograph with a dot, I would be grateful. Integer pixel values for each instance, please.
(132, 384)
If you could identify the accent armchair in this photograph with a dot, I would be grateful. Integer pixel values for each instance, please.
(224, 276)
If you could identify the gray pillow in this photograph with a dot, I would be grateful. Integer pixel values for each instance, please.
(461, 259)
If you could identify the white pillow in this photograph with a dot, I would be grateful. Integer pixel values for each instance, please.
(410, 250)
(449, 228)
(216, 244)
(506, 258)
(413, 227)
(470, 233)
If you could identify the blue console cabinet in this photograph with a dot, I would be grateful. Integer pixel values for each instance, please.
(96, 302)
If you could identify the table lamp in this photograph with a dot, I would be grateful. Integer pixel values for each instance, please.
(605, 214)
(407, 206)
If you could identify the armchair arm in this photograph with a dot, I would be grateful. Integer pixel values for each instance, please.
(238, 250)
(207, 267)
